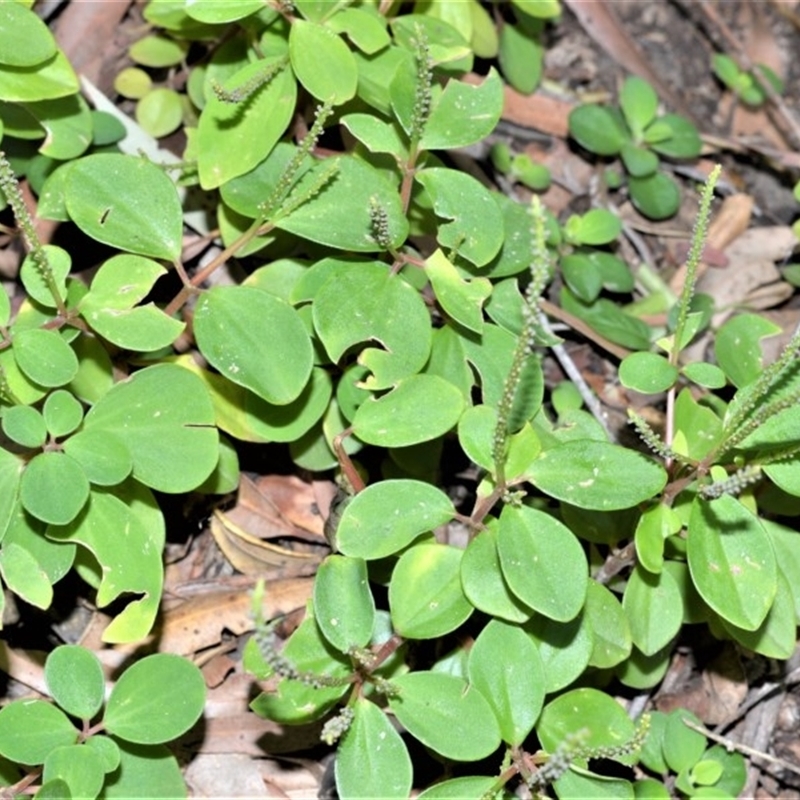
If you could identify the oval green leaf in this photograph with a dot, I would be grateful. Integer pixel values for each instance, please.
(504, 665)
(732, 561)
(343, 604)
(75, 680)
(648, 373)
(255, 339)
(322, 62)
(425, 595)
(543, 562)
(654, 607)
(432, 706)
(597, 475)
(54, 488)
(31, 729)
(418, 409)
(372, 759)
(79, 766)
(125, 202)
(19, 24)
(155, 700)
(387, 516)
(44, 357)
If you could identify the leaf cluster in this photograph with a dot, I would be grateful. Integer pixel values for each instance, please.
(637, 134)
(78, 744)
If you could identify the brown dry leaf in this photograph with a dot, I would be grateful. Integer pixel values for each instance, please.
(198, 621)
(536, 111)
(726, 685)
(225, 775)
(231, 727)
(273, 507)
(750, 269)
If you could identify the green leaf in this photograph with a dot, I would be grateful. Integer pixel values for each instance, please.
(648, 373)
(364, 27)
(62, 413)
(387, 516)
(47, 80)
(54, 488)
(125, 202)
(372, 759)
(24, 530)
(75, 680)
(521, 56)
(732, 561)
(483, 582)
(23, 575)
(418, 409)
(505, 666)
(163, 415)
(256, 340)
(343, 604)
(425, 595)
(639, 161)
(25, 425)
(33, 279)
(609, 626)
(338, 215)
(158, 50)
(20, 24)
(734, 770)
(44, 356)
(375, 134)
(111, 309)
(564, 649)
(639, 103)
(737, 347)
(103, 456)
(461, 299)
(543, 562)
(107, 749)
(654, 526)
(231, 142)
(541, 9)
(775, 637)
(656, 196)
(216, 13)
(604, 720)
(365, 301)
(67, 122)
(654, 608)
(473, 787)
(432, 705)
(160, 112)
(682, 746)
(709, 376)
(698, 428)
(587, 474)
(144, 706)
(475, 230)
(683, 140)
(595, 227)
(582, 276)
(131, 561)
(609, 320)
(463, 114)
(577, 784)
(78, 766)
(598, 129)
(31, 729)
(322, 62)
(144, 772)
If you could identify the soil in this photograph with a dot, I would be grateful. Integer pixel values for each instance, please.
(743, 698)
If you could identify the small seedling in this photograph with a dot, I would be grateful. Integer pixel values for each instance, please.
(745, 85)
(639, 135)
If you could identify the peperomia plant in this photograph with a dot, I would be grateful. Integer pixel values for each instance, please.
(387, 303)
(638, 135)
(117, 747)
